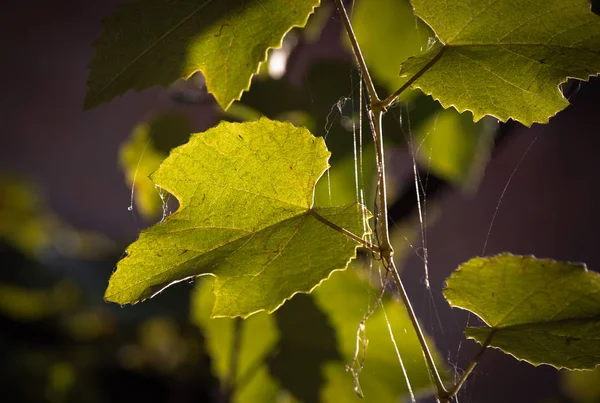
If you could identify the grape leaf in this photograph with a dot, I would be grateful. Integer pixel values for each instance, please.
(257, 338)
(541, 311)
(156, 42)
(246, 216)
(506, 58)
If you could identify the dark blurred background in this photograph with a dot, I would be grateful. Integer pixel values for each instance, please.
(59, 341)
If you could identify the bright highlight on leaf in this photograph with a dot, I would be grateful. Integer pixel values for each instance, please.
(246, 217)
(156, 42)
(541, 311)
(505, 58)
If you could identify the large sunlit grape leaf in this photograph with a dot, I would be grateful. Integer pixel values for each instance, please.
(156, 42)
(538, 310)
(246, 216)
(345, 298)
(256, 338)
(506, 58)
(396, 35)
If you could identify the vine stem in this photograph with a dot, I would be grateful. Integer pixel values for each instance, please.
(387, 254)
(357, 53)
(386, 102)
(377, 108)
(344, 231)
(471, 366)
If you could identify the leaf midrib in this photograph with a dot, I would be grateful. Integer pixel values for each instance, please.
(307, 213)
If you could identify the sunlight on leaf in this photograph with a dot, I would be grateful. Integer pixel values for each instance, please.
(506, 59)
(538, 310)
(246, 217)
(156, 42)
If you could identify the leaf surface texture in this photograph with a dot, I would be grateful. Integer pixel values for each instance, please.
(246, 217)
(506, 58)
(156, 42)
(541, 311)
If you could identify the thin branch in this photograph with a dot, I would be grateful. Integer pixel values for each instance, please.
(376, 110)
(442, 393)
(357, 53)
(344, 231)
(471, 366)
(386, 102)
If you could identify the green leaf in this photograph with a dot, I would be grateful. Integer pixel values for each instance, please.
(581, 386)
(346, 298)
(506, 58)
(396, 35)
(246, 216)
(142, 153)
(307, 344)
(258, 336)
(453, 147)
(541, 311)
(156, 42)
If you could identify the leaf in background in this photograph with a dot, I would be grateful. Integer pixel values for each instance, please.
(307, 344)
(29, 225)
(156, 42)
(396, 36)
(582, 386)
(27, 304)
(453, 147)
(506, 59)
(541, 311)
(258, 336)
(140, 155)
(345, 299)
(246, 216)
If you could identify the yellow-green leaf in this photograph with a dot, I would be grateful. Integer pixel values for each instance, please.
(506, 58)
(156, 42)
(246, 216)
(538, 310)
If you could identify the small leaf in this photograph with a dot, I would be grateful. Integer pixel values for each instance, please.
(156, 42)
(258, 336)
(453, 147)
(506, 59)
(541, 311)
(246, 216)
